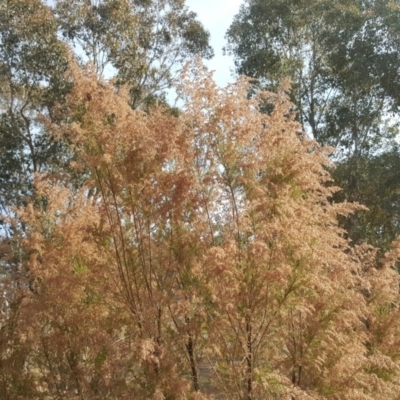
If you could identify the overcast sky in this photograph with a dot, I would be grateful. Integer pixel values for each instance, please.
(216, 16)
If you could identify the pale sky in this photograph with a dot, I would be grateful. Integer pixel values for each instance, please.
(217, 16)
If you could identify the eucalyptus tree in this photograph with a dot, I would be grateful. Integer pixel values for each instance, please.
(32, 66)
(343, 58)
(143, 43)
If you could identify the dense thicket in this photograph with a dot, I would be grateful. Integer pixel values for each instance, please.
(343, 58)
(200, 259)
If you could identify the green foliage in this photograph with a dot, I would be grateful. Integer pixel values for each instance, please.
(379, 190)
(344, 75)
(343, 58)
(142, 42)
(32, 66)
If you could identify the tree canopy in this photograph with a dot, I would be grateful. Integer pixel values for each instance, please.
(344, 74)
(32, 66)
(343, 58)
(144, 42)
